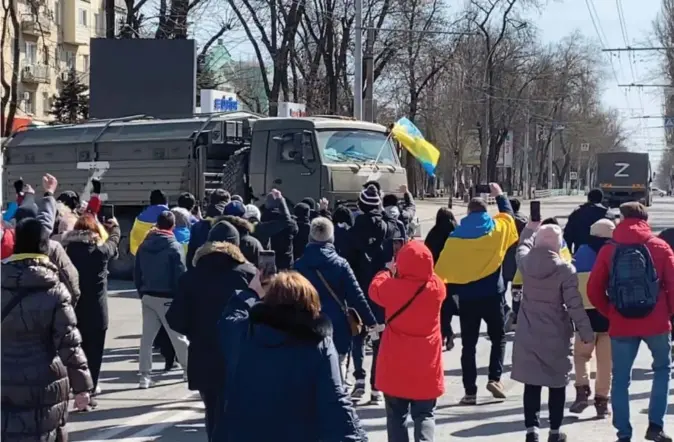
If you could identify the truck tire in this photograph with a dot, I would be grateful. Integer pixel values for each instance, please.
(122, 266)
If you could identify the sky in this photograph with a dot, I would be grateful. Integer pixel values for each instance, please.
(560, 18)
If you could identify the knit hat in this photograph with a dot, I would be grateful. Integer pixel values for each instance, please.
(603, 228)
(224, 232)
(343, 215)
(369, 199)
(237, 198)
(309, 202)
(235, 208)
(549, 236)
(302, 211)
(252, 212)
(321, 230)
(182, 217)
(390, 200)
(70, 199)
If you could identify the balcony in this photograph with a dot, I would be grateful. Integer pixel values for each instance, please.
(36, 25)
(35, 74)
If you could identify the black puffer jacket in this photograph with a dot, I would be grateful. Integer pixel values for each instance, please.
(249, 245)
(41, 354)
(281, 241)
(90, 256)
(219, 270)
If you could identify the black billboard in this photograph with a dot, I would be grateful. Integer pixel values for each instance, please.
(142, 76)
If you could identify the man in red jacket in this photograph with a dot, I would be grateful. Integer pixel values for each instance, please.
(628, 333)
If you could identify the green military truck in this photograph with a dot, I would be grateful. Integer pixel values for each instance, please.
(245, 153)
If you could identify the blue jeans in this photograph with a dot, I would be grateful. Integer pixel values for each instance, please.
(624, 352)
(423, 415)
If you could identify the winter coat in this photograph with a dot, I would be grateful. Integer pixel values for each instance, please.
(436, 239)
(510, 263)
(542, 349)
(7, 239)
(219, 270)
(632, 231)
(68, 272)
(41, 354)
(285, 367)
(577, 229)
(584, 260)
(65, 221)
(337, 272)
(281, 242)
(249, 245)
(159, 265)
(90, 256)
(414, 335)
(301, 240)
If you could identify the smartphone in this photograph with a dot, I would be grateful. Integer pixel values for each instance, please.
(106, 213)
(535, 211)
(267, 263)
(482, 188)
(398, 244)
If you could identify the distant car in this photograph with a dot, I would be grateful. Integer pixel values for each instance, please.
(658, 192)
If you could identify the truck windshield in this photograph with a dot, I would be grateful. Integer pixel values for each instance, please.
(348, 146)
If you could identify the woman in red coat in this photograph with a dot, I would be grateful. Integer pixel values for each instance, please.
(409, 364)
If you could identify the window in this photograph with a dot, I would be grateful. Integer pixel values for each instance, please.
(356, 146)
(289, 149)
(85, 63)
(31, 52)
(99, 26)
(57, 13)
(82, 17)
(29, 102)
(46, 103)
(70, 59)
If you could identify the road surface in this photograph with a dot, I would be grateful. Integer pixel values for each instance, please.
(169, 412)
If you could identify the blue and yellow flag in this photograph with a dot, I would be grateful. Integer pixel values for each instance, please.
(143, 224)
(407, 134)
(476, 248)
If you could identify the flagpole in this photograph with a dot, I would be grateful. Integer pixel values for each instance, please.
(381, 149)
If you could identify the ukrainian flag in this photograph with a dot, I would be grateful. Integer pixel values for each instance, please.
(182, 235)
(476, 248)
(407, 134)
(143, 224)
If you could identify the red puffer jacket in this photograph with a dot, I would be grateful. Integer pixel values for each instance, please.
(409, 363)
(7, 242)
(633, 231)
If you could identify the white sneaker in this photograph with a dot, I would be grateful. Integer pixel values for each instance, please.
(97, 391)
(145, 382)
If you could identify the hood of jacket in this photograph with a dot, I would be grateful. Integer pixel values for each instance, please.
(632, 231)
(540, 263)
(278, 324)
(244, 227)
(80, 236)
(214, 210)
(219, 251)
(157, 241)
(414, 261)
(29, 271)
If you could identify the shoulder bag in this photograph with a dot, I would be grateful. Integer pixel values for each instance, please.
(13, 303)
(407, 304)
(352, 316)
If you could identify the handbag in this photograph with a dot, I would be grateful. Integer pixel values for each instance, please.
(352, 316)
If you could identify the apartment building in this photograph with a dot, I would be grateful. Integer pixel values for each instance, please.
(53, 40)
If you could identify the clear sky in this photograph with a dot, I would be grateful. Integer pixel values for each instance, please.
(562, 17)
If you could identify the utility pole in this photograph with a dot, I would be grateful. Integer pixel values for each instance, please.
(550, 155)
(357, 63)
(525, 171)
(484, 153)
(368, 60)
(109, 18)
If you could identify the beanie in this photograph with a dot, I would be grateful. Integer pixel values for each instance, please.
(309, 202)
(549, 236)
(302, 211)
(390, 200)
(252, 212)
(235, 208)
(603, 228)
(369, 199)
(321, 230)
(224, 232)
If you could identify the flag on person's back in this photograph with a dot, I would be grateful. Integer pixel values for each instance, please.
(411, 138)
(143, 224)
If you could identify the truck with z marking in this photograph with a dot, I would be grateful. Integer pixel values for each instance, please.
(623, 177)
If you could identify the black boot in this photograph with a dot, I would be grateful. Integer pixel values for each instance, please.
(657, 434)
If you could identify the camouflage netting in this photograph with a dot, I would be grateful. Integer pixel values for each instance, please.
(234, 173)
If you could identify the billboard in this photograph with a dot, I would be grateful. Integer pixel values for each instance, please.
(218, 101)
(142, 76)
(288, 109)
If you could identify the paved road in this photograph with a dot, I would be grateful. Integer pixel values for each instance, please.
(170, 413)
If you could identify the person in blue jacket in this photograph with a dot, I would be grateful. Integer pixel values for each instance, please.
(282, 378)
(337, 286)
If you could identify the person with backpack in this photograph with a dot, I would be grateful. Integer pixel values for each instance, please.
(667, 236)
(632, 284)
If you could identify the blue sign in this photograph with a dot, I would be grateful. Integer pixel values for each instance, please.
(225, 104)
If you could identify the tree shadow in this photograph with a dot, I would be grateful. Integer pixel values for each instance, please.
(481, 371)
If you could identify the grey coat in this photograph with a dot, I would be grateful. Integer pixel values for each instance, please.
(542, 350)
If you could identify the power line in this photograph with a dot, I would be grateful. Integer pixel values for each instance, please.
(628, 48)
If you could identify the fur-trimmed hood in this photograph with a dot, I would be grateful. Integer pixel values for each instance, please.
(292, 322)
(80, 236)
(243, 226)
(224, 248)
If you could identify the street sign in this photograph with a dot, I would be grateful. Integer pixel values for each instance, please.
(584, 147)
(669, 124)
(573, 175)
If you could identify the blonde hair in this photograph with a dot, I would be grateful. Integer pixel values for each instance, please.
(291, 289)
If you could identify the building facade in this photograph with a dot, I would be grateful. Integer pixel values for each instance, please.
(53, 39)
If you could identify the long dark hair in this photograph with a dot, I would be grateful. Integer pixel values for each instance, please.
(445, 219)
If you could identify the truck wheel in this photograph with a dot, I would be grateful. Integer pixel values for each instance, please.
(122, 266)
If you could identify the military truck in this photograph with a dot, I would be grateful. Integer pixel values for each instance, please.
(245, 153)
(623, 177)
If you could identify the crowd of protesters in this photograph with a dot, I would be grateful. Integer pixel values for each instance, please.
(286, 342)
